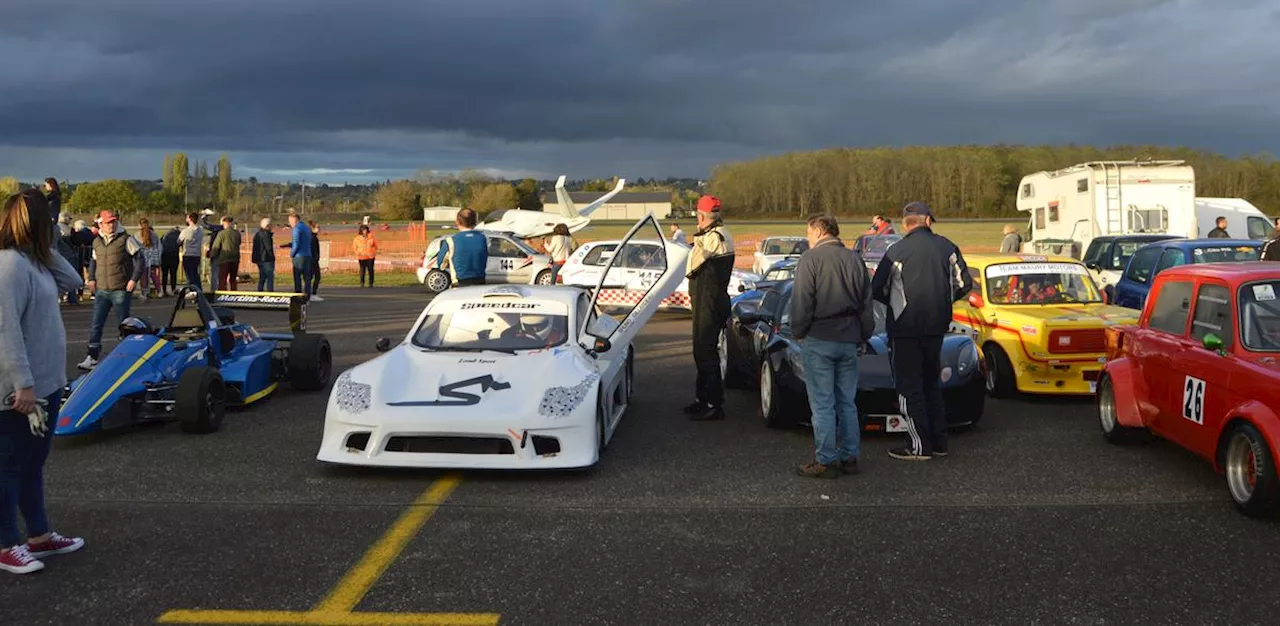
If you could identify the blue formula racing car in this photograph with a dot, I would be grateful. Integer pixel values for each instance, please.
(757, 349)
(193, 367)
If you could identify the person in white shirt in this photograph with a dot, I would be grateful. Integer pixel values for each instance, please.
(677, 235)
(558, 248)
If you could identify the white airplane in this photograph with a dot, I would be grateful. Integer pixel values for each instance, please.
(525, 223)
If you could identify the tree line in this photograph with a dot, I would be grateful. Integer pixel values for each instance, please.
(957, 181)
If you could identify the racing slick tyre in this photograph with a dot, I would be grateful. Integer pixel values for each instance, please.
(1251, 472)
(544, 278)
(1000, 377)
(310, 362)
(732, 378)
(436, 281)
(771, 399)
(200, 400)
(1112, 430)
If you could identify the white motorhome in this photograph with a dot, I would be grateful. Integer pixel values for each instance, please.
(1244, 221)
(1071, 206)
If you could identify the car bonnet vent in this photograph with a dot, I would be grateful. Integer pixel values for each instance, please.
(507, 291)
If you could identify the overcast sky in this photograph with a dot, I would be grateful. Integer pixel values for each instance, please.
(373, 89)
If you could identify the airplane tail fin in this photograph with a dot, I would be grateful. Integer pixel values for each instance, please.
(566, 203)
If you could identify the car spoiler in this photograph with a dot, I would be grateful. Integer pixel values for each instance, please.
(294, 303)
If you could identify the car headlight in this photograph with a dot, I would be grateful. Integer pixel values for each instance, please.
(352, 397)
(968, 359)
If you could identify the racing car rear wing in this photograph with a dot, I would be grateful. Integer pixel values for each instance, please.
(294, 303)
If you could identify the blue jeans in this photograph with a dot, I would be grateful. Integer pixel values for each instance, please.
(191, 267)
(831, 380)
(302, 275)
(22, 457)
(267, 276)
(103, 302)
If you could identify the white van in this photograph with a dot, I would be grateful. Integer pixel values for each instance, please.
(1244, 221)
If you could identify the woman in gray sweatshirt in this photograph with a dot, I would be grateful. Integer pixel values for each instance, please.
(33, 371)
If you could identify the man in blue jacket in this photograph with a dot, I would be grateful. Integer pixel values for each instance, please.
(467, 251)
(300, 253)
(918, 279)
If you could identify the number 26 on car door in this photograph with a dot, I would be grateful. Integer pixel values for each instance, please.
(1193, 400)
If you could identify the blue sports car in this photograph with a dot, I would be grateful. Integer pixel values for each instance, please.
(195, 365)
(756, 346)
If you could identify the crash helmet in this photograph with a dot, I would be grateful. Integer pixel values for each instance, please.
(135, 326)
(539, 325)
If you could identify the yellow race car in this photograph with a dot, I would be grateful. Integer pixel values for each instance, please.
(1040, 322)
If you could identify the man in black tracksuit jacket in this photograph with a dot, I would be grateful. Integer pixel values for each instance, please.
(710, 267)
(918, 279)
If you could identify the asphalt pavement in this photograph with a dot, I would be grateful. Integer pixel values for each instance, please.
(1033, 519)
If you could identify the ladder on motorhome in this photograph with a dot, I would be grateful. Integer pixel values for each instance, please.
(1115, 209)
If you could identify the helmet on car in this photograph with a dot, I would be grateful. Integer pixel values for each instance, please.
(135, 326)
(536, 324)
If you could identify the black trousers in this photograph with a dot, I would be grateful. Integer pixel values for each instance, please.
(366, 265)
(707, 324)
(315, 276)
(917, 366)
(169, 272)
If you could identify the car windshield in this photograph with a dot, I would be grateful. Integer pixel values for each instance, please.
(1040, 283)
(786, 246)
(1260, 316)
(875, 246)
(1226, 254)
(504, 325)
(781, 273)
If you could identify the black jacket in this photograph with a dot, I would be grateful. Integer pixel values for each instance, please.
(710, 268)
(1218, 233)
(264, 247)
(169, 246)
(919, 278)
(1271, 250)
(831, 295)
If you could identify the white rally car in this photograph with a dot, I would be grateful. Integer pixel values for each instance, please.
(770, 250)
(500, 377)
(511, 260)
(639, 263)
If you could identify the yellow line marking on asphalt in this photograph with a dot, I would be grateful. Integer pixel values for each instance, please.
(351, 589)
(336, 609)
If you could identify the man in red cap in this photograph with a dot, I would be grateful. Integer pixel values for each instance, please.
(710, 267)
(115, 268)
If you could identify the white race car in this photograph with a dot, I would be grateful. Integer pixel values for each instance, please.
(500, 377)
(511, 260)
(586, 265)
(770, 250)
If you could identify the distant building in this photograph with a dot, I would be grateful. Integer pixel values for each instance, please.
(624, 206)
(440, 213)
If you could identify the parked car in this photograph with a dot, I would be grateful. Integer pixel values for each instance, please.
(1107, 256)
(770, 250)
(1201, 368)
(585, 265)
(872, 248)
(1040, 322)
(511, 260)
(1149, 260)
(756, 347)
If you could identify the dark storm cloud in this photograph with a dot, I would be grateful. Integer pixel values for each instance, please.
(657, 86)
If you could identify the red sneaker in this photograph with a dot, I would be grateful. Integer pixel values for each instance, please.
(17, 560)
(55, 544)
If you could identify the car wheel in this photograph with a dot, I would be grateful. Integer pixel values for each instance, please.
(1000, 377)
(200, 400)
(310, 362)
(1251, 472)
(771, 399)
(436, 281)
(731, 376)
(1112, 430)
(544, 278)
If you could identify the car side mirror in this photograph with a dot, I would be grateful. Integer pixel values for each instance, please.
(975, 300)
(383, 344)
(1093, 266)
(601, 344)
(747, 313)
(1213, 343)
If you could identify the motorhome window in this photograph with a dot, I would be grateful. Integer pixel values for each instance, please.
(1172, 307)
(1026, 190)
(1141, 264)
(1213, 314)
(1082, 185)
(1053, 212)
(1040, 218)
(1259, 228)
(1260, 316)
(1226, 254)
(1147, 220)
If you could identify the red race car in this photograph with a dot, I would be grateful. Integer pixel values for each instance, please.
(1202, 369)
